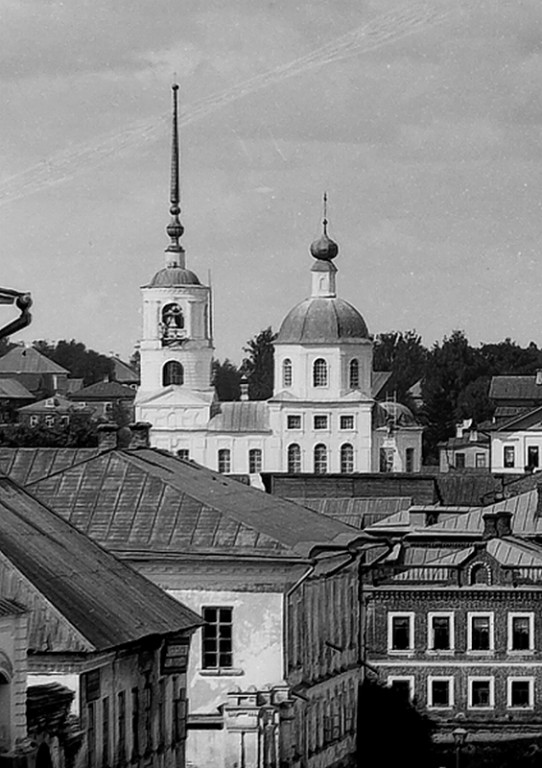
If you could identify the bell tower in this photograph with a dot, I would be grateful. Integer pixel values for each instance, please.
(176, 346)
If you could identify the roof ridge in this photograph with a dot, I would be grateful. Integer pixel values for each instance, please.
(100, 452)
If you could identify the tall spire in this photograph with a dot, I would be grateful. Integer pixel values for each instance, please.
(175, 251)
(324, 220)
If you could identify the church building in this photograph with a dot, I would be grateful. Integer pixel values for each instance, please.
(323, 416)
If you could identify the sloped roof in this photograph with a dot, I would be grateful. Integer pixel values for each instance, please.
(74, 385)
(416, 517)
(54, 404)
(104, 390)
(515, 388)
(466, 489)
(28, 360)
(14, 390)
(26, 465)
(241, 416)
(104, 600)
(482, 441)
(379, 379)
(147, 501)
(359, 513)
(527, 419)
(320, 320)
(124, 373)
(389, 411)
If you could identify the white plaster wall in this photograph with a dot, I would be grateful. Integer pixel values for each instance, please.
(521, 441)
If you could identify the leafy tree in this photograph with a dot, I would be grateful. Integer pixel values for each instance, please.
(225, 379)
(390, 730)
(258, 366)
(135, 360)
(87, 364)
(81, 432)
(402, 353)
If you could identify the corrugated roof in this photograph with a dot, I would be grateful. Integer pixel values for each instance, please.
(359, 513)
(147, 501)
(28, 360)
(14, 390)
(416, 517)
(515, 388)
(26, 465)
(104, 390)
(242, 416)
(106, 601)
(512, 552)
(465, 442)
(10, 607)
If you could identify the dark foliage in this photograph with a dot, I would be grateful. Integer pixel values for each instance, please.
(81, 362)
(225, 379)
(402, 353)
(390, 730)
(81, 432)
(258, 365)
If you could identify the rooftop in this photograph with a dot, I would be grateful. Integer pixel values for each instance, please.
(28, 360)
(241, 416)
(515, 388)
(104, 390)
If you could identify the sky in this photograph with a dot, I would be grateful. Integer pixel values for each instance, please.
(422, 120)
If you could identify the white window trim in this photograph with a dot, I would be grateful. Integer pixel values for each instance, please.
(482, 678)
(476, 614)
(403, 679)
(319, 430)
(295, 429)
(521, 615)
(440, 614)
(401, 614)
(451, 699)
(347, 429)
(517, 679)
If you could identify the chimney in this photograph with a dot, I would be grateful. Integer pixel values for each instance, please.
(459, 430)
(497, 524)
(140, 435)
(107, 436)
(538, 379)
(243, 385)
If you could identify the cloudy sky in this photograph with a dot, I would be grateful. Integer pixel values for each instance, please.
(422, 120)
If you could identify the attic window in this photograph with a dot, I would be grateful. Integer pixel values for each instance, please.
(480, 574)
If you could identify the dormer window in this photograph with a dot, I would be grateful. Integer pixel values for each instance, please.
(172, 325)
(319, 373)
(287, 373)
(354, 374)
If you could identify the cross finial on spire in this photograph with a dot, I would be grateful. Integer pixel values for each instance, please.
(324, 220)
(175, 229)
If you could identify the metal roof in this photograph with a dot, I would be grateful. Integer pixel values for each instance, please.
(106, 602)
(147, 501)
(104, 390)
(242, 416)
(170, 277)
(14, 390)
(28, 360)
(515, 388)
(466, 489)
(359, 513)
(322, 321)
(54, 404)
(26, 465)
(379, 379)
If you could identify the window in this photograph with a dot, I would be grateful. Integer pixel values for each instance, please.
(346, 422)
(224, 460)
(441, 631)
(409, 460)
(480, 460)
(217, 638)
(509, 456)
(400, 631)
(121, 725)
(108, 407)
(254, 460)
(293, 422)
(294, 458)
(481, 693)
(319, 373)
(347, 459)
(440, 692)
(172, 373)
(65, 420)
(386, 459)
(105, 731)
(34, 420)
(135, 722)
(179, 716)
(320, 459)
(403, 686)
(520, 631)
(320, 422)
(533, 461)
(287, 373)
(460, 460)
(183, 453)
(354, 374)
(49, 421)
(480, 632)
(521, 692)
(480, 573)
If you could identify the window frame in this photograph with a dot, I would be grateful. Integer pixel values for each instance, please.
(410, 455)
(178, 369)
(460, 460)
(451, 691)
(478, 679)
(410, 615)
(410, 679)
(510, 631)
(255, 459)
(479, 614)
(506, 461)
(348, 462)
(287, 373)
(297, 460)
(430, 631)
(353, 373)
(185, 454)
(223, 454)
(480, 460)
(519, 679)
(323, 419)
(321, 459)
(320, 374)
(347, 416)
(219, 667)
(294, 416)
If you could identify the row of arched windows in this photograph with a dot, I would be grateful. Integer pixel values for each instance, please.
(320, 459)
(320, 373)
(254, 460)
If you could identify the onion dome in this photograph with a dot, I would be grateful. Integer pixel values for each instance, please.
(324, 248)
(322, 321)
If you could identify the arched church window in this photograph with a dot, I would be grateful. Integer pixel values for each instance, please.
(320, 459)
(319, 373)
(287, 373)
(294, 458)
(172, 316)
(224, 460)
(172, 373)
(254, 460)
(354, 374)
(347, 459)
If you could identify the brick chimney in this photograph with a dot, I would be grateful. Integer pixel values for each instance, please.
(497, 524)
(107, 436)
(140, 434)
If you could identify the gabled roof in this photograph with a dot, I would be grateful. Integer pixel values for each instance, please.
(12, 389)
(454, 443)
(242, 416)
(359, 513)
(515, 388)
(528, 419)
(379, 379)
(124, 373)
(104, 390)
(147, 501)
(28, 360)
(54, 404)
(105, 602)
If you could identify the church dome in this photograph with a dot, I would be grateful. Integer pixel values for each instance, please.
(389, 412)
(322, 321)
(169, 277)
